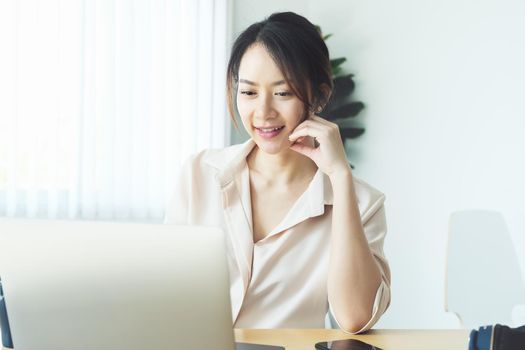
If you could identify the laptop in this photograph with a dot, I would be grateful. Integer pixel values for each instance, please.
(100, 285)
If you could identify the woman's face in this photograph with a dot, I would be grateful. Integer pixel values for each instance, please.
(269, 109)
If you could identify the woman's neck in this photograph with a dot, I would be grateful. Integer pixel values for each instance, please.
(284, 168)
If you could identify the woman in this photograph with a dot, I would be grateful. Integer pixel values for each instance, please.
(304, 237)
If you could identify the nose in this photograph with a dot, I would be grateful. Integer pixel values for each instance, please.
(265, 109)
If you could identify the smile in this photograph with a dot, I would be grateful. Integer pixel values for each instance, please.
(268, 133)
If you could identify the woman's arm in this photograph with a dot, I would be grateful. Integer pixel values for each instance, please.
(353, 276)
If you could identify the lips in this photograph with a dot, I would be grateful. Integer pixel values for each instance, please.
(269, 132)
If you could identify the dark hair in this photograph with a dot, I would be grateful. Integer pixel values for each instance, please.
(299, 51)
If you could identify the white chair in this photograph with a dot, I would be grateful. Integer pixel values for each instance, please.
(483, 278)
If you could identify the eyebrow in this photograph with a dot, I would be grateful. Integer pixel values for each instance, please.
(279, 82)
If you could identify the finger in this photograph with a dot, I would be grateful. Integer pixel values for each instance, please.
(308, 124)
(320, 132)
(322, 120)
(308, 121)
(299, 140)
(312, 131)
(301, 125)
(328, 128)
(303, 149)
(325, 122)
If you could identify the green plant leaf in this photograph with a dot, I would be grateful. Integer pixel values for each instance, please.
(347, 110)
(336, 62)
(336, 109)
(343, 86)
(351, 133)
(336, 72)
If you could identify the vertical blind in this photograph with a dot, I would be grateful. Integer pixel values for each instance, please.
(102, 100)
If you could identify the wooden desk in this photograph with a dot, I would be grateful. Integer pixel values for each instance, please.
(386, 339)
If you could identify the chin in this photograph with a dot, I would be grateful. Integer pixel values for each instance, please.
(270, 147)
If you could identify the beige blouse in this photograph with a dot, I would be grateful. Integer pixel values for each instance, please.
(280, 281)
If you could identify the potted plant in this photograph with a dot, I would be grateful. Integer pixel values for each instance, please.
(341, 109)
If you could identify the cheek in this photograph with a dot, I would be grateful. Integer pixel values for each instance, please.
(294, 112)
(243, 108)
(244, 112)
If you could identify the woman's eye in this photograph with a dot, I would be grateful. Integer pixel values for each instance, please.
(283, 93)
(247, 93)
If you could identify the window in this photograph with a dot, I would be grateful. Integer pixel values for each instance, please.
(101, 101)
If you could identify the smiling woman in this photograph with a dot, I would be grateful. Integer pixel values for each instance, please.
(305, 237)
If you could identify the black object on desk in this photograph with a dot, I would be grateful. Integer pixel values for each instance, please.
(7, 342)
(346, 344)
(497, 337)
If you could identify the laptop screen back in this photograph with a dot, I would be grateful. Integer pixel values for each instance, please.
(93, 285)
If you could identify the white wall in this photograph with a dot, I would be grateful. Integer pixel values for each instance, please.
(443, 82)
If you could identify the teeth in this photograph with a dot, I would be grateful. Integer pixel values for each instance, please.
(270, 130)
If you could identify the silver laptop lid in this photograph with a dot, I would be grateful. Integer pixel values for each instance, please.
(92, 285)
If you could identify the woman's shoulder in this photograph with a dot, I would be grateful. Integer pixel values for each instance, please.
(209, 162)
(215, 157)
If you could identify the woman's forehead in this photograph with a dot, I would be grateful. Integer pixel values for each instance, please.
(257, 66)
